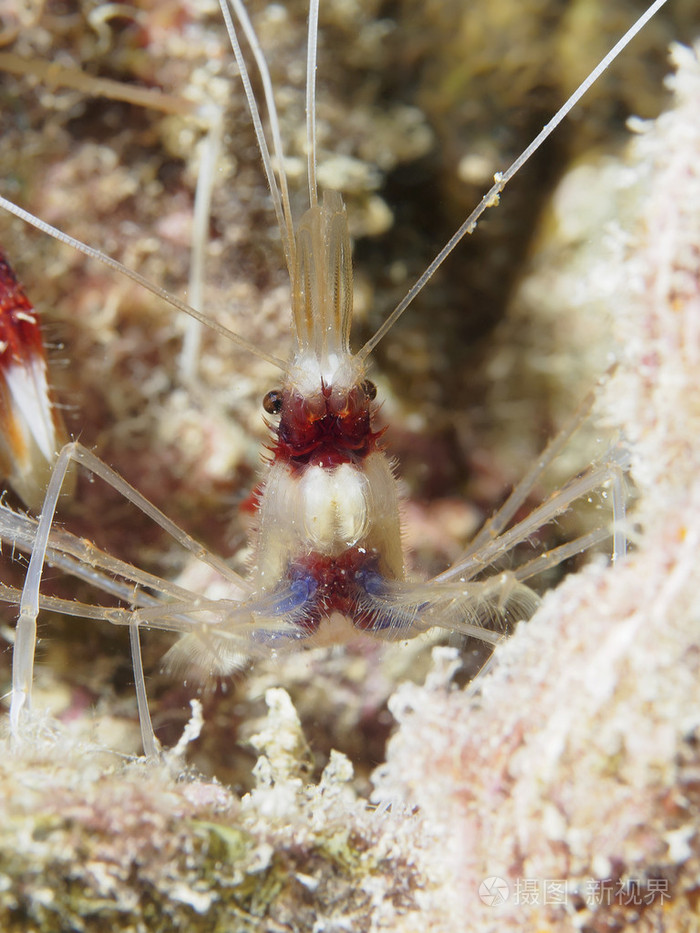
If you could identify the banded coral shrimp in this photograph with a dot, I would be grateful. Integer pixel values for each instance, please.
(239, 328)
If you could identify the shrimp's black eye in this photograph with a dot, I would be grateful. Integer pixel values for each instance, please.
(272, 403)
(370, 389)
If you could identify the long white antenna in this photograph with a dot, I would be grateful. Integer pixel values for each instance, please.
(501, 180)
(281, 202)
(311, 57)
(117, 266)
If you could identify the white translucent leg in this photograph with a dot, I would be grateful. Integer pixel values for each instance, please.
(483, 606)
(92, 463)
(25, 633)
(151, 745)
(558, 555)
(475, 561)
(619, 508)
(492, 528)
(492, 542)
(80, 558)
(30, 601)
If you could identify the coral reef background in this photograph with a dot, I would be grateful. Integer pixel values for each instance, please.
(574, 761)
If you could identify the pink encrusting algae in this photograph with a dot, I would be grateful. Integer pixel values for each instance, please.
(572, 775)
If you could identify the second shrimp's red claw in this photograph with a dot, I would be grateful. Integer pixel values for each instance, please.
(31, 427)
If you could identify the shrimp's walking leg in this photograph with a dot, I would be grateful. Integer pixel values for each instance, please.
(25, 637)
(151, 745)
(493, 540)
(619, 510)
(25, 634)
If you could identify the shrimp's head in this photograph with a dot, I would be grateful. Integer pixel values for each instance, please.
(328, 540)
(330, 426)
(325, 406)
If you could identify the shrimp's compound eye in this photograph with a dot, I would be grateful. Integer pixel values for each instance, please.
(272, 403)
(370, 389)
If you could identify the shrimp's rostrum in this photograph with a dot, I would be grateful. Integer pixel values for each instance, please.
(327, 558)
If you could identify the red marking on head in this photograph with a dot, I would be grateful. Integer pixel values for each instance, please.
(325, 429)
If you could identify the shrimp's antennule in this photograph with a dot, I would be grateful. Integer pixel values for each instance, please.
(279, 192)
(322, 283)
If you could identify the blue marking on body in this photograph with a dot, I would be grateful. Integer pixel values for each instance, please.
(299, 591)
